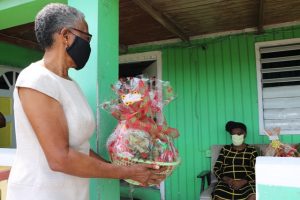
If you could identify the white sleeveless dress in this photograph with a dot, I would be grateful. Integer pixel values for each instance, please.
(30, 177)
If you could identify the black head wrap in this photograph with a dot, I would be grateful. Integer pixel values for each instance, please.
(231, 125)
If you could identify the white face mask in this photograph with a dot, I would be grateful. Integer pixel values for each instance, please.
(237, 140)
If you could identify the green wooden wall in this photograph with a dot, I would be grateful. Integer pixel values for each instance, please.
(215, 80)
(15, 56)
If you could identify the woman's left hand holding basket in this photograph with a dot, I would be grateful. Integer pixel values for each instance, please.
(146, 174)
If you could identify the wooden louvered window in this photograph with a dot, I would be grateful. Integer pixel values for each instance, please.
(278, 72)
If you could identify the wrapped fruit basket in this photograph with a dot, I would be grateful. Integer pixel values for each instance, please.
(142, 134)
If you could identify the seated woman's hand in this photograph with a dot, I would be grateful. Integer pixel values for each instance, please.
(147, 174)
(234, 184)
(237, 184)
(228, 180)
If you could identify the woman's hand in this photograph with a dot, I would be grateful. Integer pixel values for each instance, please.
(237, 184)
(228, 180)
(156, 133)
(234, 184)
(146, 174)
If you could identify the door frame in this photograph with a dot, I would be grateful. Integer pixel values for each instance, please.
(147, 56)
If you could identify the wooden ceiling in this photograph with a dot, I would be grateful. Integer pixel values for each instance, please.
(153, 20)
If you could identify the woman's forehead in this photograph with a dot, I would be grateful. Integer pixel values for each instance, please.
(238, 130)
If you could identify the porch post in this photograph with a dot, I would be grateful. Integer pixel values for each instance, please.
(102, 17)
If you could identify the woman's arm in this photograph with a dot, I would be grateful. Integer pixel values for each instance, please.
(251, 174)
(97, 156)
(218, 168)
(50, 126)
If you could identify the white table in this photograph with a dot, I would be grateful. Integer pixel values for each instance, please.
(277, 178)
(7, 156)
(6, 159)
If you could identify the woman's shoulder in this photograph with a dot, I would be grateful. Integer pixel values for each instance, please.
(226, 147)
(36, 77)
(34, 73)
(34, 70)
(250, 146)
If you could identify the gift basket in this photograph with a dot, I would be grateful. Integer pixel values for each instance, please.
(142, 134)
(277, 148)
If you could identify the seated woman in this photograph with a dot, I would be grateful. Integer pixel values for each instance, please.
(234, 167)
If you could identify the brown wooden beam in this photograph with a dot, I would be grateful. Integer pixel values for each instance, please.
(162, 19)
(19, 41)
(260, 21)
(123, 48)
(33, 45)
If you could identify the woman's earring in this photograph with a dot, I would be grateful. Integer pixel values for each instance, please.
(66, 43)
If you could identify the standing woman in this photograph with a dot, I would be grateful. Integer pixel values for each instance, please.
(235, 167)
(53, 120)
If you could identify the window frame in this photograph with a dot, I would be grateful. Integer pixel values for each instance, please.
(7, 154)
(259, 45)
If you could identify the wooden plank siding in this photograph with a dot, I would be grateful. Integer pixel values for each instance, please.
(215, 81)
(192, 17)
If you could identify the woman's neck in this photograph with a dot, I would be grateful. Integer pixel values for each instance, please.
(240, 147)
(55, 62)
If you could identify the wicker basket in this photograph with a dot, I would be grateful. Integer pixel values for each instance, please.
(124, 161)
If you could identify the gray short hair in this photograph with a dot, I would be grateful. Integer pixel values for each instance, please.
(51, 19)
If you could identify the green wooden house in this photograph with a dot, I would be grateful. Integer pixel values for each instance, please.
(214, 53)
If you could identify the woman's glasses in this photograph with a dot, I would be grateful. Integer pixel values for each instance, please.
(89, 36)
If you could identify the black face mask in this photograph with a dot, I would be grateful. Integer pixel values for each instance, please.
(79, 51)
